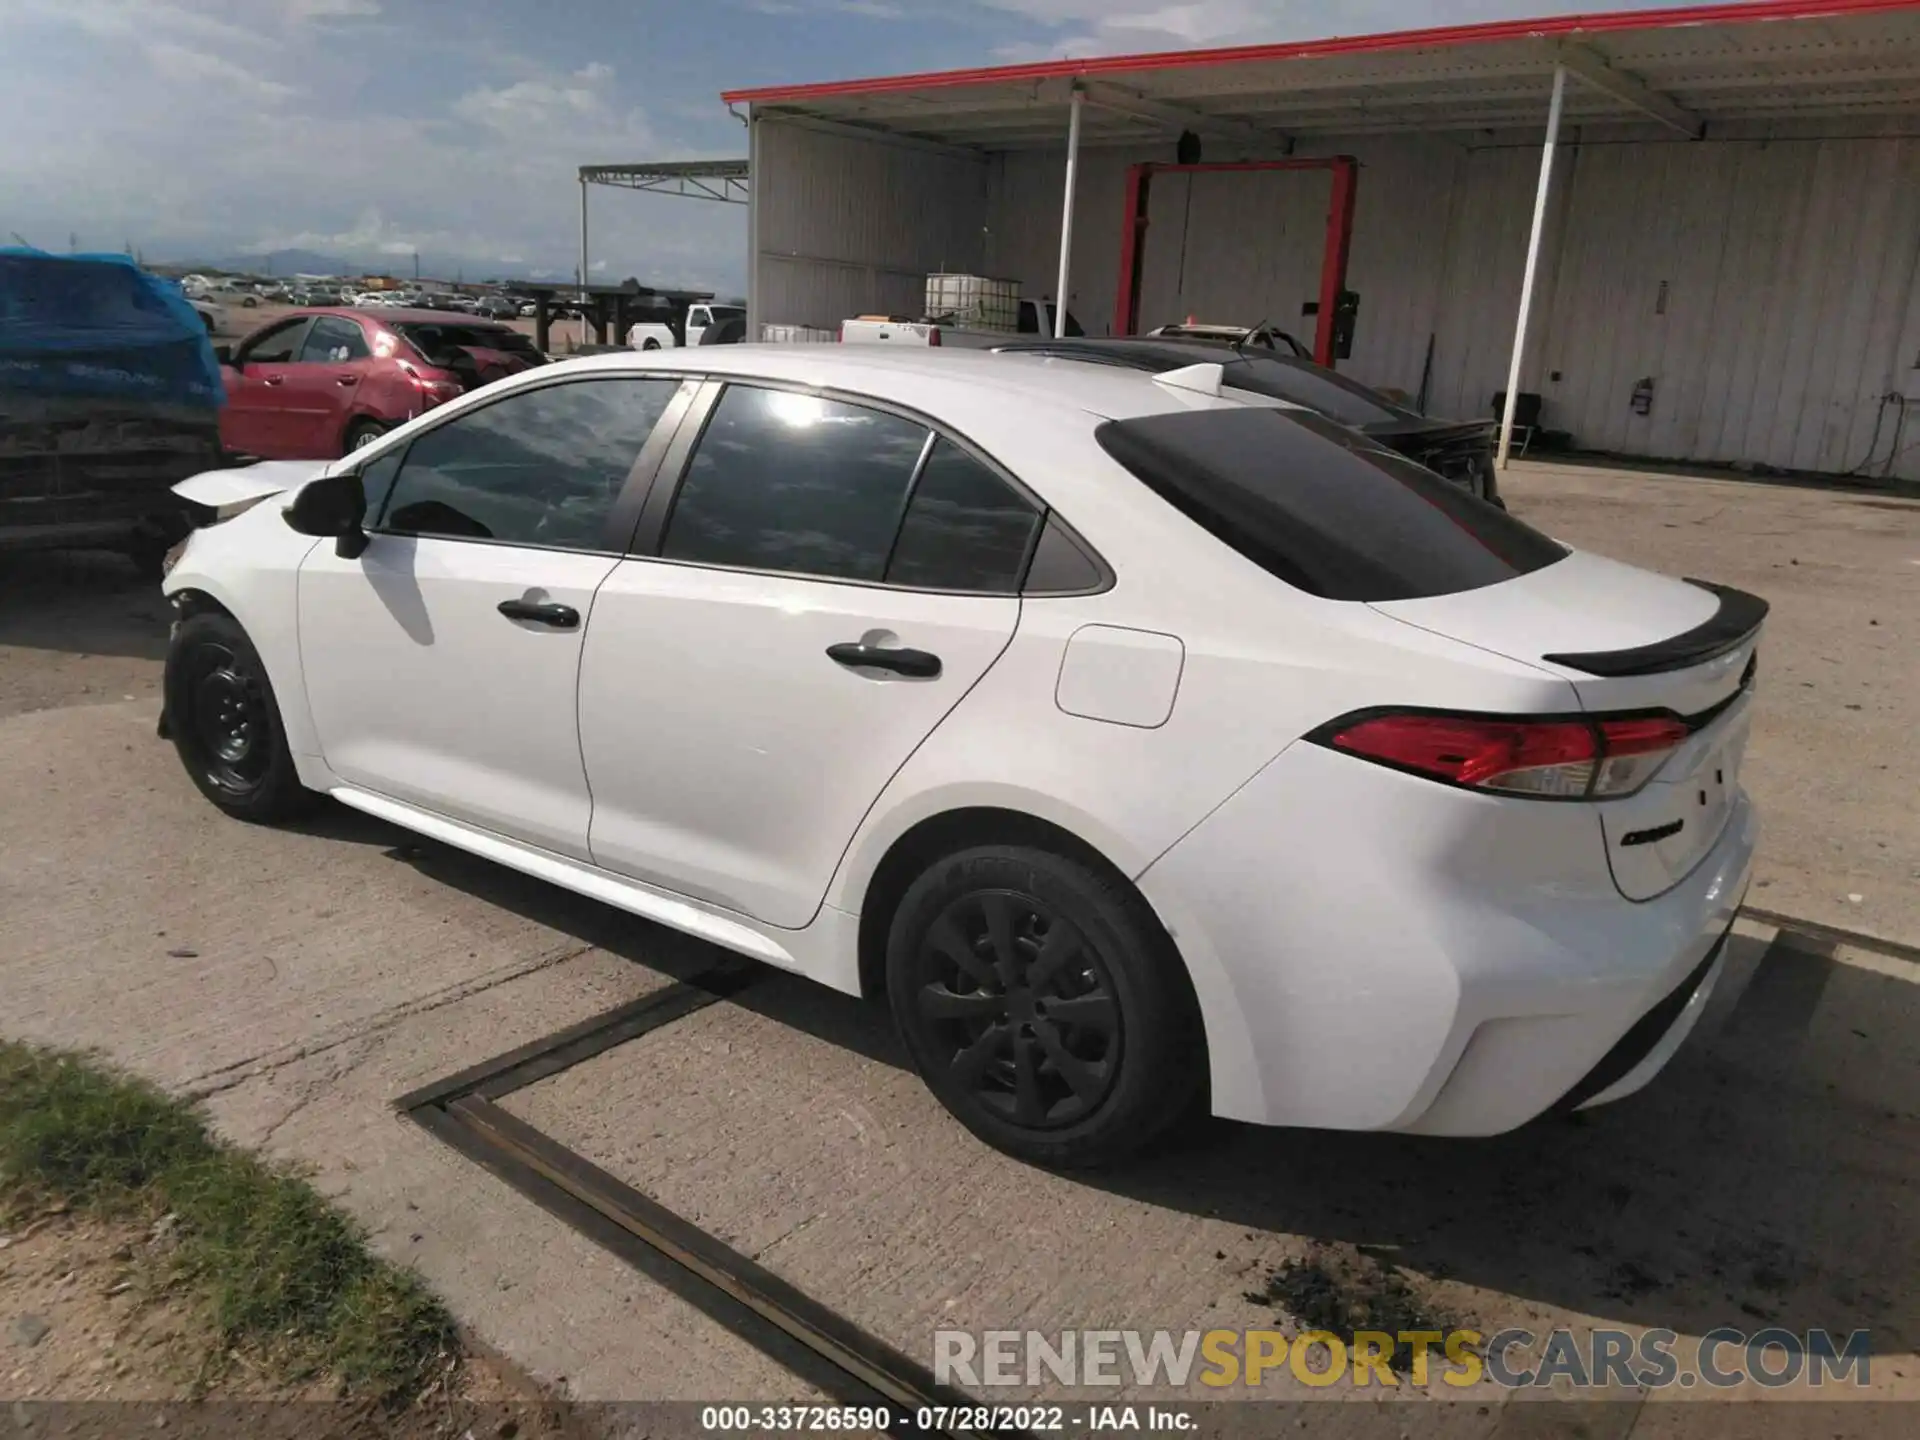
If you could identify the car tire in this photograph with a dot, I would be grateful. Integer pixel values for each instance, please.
(225, 723)
(361, 433)
(650, 344)
(1080, 1066)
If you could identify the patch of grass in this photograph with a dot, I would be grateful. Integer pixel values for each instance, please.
(280, 1269)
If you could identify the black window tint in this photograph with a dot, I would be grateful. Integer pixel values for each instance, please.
(1324, 508)
(966, 529)
(1304, 383)
(276, 346)
(542, 467)
(376, 482)
(785, 481)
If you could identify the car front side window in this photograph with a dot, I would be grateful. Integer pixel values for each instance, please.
(538, 467)
(276, 346)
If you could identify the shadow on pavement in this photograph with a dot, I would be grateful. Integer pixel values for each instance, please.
(1766, 1178)
(82, 602)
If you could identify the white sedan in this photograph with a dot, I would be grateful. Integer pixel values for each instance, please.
(1148, 747)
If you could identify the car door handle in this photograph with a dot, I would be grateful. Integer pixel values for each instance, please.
(542, 612)
(915, 663)
(273, 379)
(346, 379)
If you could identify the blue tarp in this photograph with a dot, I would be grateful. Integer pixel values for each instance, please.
(99, 326)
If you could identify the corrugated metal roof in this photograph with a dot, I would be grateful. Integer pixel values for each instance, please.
(1686, 68)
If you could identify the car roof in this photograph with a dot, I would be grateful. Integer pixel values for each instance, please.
(906, 375)
(390, 313)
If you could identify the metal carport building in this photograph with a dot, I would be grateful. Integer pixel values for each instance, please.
(1727, 234)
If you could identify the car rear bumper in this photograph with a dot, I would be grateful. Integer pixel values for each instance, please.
(1374, 951)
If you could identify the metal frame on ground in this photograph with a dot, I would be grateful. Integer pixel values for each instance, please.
(818, 1344)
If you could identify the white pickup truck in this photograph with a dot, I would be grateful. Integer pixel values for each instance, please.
(874, 329)
(666, 335)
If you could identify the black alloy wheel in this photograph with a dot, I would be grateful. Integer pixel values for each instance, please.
(1024, 1008)
(1044, 1004)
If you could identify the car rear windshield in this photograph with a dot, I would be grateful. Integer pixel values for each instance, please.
(1303, 383)
(436, 341)
(1322, 507)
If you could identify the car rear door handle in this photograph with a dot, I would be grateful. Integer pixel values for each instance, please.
(346, 379)
(917, 664)
(273, 379)
(542, 612)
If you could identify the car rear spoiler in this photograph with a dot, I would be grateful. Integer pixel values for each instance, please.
(1727, 629)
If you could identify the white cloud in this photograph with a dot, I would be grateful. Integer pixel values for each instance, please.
(1091, 27)
(188, 66)
(312, 10)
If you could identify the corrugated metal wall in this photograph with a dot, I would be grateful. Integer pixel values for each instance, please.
(847, 224)
(1790, 308)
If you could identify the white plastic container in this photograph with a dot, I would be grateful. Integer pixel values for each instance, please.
(974, 302)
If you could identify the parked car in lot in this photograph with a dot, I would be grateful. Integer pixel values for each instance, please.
(1459, 450)
(666, 334)
(1146, 743)
(213, 316)
(1263, 337)
(323, 382)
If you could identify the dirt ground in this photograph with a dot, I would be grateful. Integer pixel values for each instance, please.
(96, 1323)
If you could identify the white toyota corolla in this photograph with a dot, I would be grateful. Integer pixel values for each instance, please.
(1147, 745)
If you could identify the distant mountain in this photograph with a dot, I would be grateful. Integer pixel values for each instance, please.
(432, 267)
(298, 262)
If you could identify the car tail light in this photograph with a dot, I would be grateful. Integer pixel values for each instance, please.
(1599, 759)
(933, 335)
(432, 386)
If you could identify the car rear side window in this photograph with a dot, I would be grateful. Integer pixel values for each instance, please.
(1322, 507)
(798, 483)
(334, 339)
(966, 528)
(538, 467)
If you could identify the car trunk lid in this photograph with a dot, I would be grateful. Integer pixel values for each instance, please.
(1630, 642)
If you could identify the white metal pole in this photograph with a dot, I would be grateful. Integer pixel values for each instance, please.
(583, 237)
(1533, 263)
(1066, 219)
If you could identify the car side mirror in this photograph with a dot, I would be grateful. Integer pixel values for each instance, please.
(335, 505)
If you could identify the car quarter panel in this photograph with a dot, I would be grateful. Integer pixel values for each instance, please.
(1503, 923)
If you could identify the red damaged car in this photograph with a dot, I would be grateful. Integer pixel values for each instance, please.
(321, 382)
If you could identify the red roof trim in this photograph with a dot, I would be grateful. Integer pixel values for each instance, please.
(1447, 35)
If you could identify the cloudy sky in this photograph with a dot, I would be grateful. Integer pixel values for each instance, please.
(367, 128)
